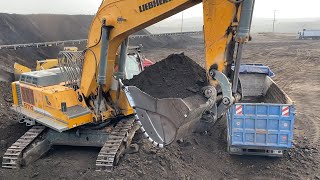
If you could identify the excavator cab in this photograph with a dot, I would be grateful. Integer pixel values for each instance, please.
(133, 66)
(135, 62)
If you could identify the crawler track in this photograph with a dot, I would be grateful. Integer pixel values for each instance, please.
(12, 157)
(120, 138)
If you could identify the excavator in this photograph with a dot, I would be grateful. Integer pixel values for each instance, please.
(84, 102)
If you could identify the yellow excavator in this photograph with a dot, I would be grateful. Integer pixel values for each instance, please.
(83, 102)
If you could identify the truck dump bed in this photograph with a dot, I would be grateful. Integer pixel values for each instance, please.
(262, 123)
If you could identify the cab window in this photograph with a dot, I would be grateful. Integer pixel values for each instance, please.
(132, 67)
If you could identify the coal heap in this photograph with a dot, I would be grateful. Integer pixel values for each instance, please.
(177, 76)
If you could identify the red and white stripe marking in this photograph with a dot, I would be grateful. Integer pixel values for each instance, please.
(284, 138)
(239, 110)
(285, 111)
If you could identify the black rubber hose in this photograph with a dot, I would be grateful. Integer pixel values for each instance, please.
(236, 1)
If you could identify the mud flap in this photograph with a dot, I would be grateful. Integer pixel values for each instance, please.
(165, 120)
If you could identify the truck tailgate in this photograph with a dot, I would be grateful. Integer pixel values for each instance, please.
(264, 118)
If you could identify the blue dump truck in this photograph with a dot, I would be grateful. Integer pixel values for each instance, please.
(262, 122)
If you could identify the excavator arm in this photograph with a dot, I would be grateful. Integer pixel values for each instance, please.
(122, 18)
(226, 24)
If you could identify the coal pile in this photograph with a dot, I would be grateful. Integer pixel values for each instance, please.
(5, 103)
(177, 76)
(176, 42)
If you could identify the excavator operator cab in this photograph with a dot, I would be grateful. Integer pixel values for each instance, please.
(133, 66)
(135, 62)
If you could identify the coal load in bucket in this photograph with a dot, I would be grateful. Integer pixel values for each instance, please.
(177, 76)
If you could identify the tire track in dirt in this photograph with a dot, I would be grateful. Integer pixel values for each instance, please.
(297, 68)
(314, 132)
(316, 136)
(281, 66)
(301, 62)
(302, 67)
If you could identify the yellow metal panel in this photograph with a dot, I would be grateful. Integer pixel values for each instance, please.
(48, 101)
(38, 98)
(218, 17)
(46, 64)
(19, 69)
(53, 96)
(79, 121)
(14, 93)
(72, 48)
(123, 103)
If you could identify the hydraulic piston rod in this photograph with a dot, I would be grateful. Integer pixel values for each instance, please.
(242, 37)
(104, 54)
(105, 35)
(123, 56)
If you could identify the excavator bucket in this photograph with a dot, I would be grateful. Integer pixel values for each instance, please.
(165, 120)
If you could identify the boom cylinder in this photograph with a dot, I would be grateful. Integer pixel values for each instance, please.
(103, 56)
(245, 21)
(102, 80)
(123, 57)
(242, 37)
(237, 68)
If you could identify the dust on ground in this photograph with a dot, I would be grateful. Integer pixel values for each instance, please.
(296, 64)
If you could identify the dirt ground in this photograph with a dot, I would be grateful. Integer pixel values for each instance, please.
(296, 65)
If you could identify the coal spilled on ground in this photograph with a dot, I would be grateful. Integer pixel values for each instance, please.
(177, 76)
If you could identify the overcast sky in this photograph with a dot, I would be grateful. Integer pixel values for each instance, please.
(263, 8)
